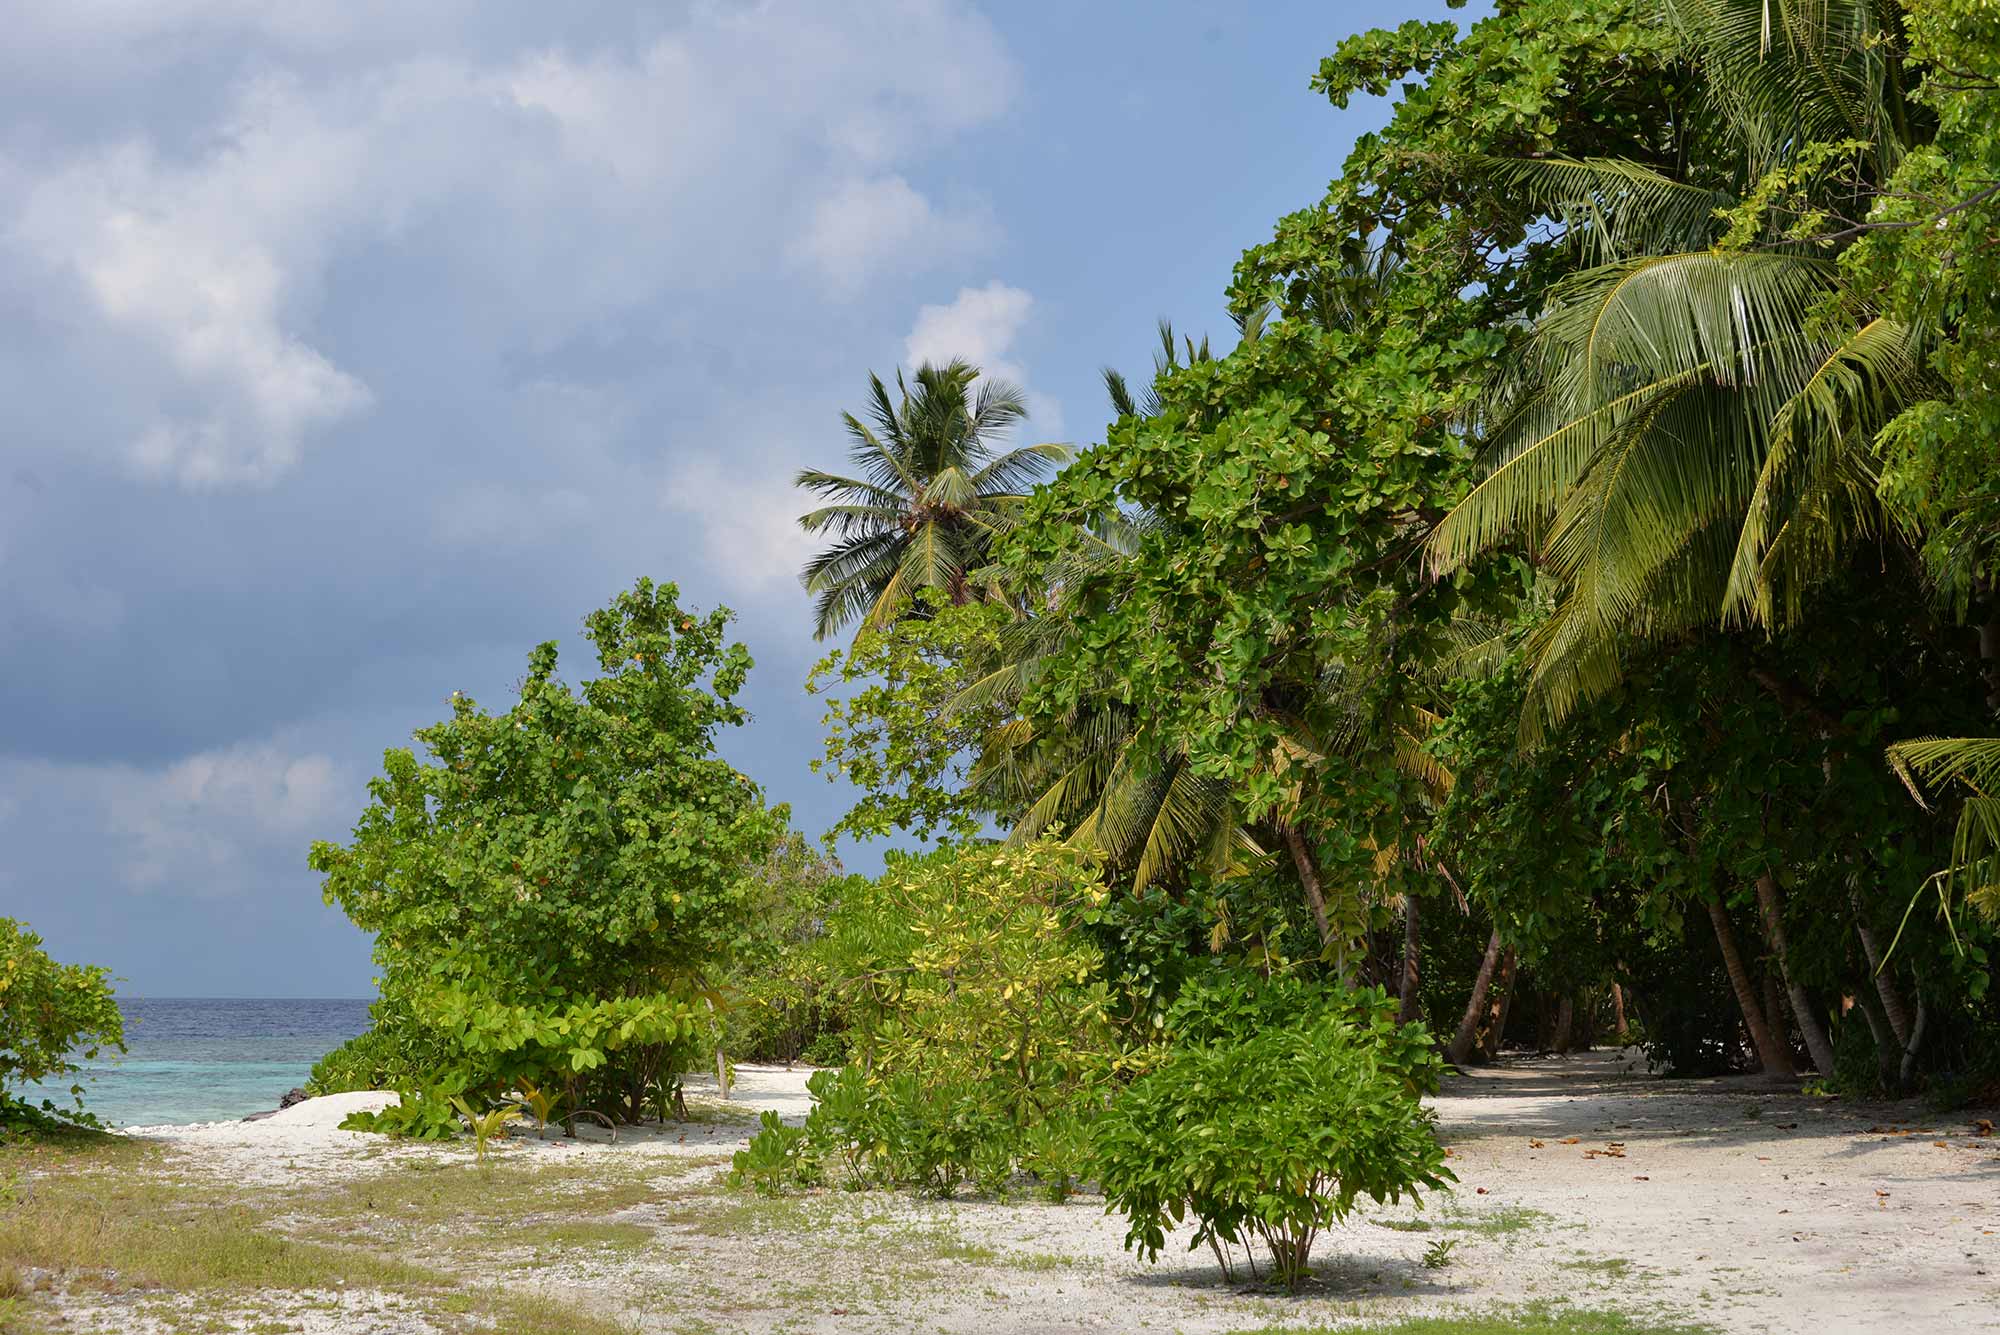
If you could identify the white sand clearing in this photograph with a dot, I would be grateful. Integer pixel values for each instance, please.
(1748, 1207)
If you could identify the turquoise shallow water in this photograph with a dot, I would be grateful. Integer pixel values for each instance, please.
(195, 1059)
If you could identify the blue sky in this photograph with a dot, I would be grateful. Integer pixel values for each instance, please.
(352, 347)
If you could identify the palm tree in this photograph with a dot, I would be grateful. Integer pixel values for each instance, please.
(1687, 438)
(930, 495)
(1972, 763)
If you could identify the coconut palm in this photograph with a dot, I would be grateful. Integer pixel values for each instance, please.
(1687, 437)
(931, 492)
(1971, 763)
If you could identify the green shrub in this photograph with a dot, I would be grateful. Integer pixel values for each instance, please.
(50, 1015)
(1269, 1137)
(777, 1158)
(420, 1114)
(549, 886)
(1223, 1004)
(397, 1051)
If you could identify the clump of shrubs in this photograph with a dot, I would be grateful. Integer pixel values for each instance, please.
(1262, 1108)
(980, 1027)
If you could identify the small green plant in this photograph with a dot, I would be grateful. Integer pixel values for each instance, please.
(778, 1158)
(1057, 1152)
(484, 1126)
(1271, 1138)
(419, 1114)
(1438, 1255)
(538, 1103)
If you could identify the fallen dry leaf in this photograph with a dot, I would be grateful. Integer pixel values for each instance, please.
(1534, 1144)
(1571, 1140)
(1982, 1126)
(1641, 1177)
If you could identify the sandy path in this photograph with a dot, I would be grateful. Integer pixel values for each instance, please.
(1758, 1210)
(1726, 1202)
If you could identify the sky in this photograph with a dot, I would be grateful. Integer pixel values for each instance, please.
(352, 347)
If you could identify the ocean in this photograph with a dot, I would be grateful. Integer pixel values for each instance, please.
(199, 1059)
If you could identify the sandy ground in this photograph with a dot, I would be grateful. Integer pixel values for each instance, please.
(1732, 1203)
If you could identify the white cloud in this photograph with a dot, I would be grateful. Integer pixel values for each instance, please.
(747, 519)
(210, 825)
(980, 326)
(859, 226)
(565, 186)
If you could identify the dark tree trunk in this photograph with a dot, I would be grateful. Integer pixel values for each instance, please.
(1989, 658)
(1583, 1033)
(1885, 985)
(1811, 1030)
(1888, 1052)
(1774, 1059)
(1565, 1017)
(1309, 878)
(1460, 1051)
(1774, 1010)
(1408, 1000)
(1503, 1001)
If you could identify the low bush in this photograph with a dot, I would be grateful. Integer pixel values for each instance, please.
(50, 1015)
(1269, 1136)
(978, 1024)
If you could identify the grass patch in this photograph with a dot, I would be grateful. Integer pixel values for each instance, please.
(589, 1234)
(1500, 1223)
(108, 1216)
(1611, 1267)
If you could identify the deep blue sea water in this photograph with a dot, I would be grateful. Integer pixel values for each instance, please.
(194, 1059)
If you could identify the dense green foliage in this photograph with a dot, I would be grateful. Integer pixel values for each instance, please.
(1596, 490)
(980, 1026)
(556, 890)
(51, 1016)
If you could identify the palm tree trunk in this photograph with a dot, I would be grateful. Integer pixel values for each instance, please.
(1810, 1028)
(1618, 1010)
(1774, 1009)
(1309, 878)
(1888, 1054)
(1503, 1001)
(1885, 986)
(1565, 1021)
(1407, 998)
(1460, 1050)
(1775, 1061)
(1989, 657)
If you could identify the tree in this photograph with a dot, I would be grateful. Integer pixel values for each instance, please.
(1687, 436)
(558, 884)
(930, 494)
(50, 1014)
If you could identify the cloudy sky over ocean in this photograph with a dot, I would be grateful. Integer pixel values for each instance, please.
(352, 347)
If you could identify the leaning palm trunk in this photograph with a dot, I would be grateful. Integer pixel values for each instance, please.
(1408, 1001)
(1460, 1051)
(1502, 1003)
(1309, 878)
(1774, 1059)
(1810, 1029)
(1885, 983)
